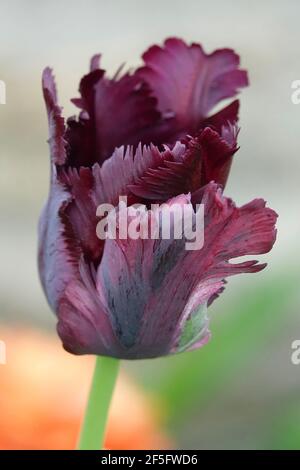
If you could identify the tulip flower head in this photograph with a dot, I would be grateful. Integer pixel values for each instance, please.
(153, 137)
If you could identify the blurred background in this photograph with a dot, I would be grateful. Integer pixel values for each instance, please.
(241, 391)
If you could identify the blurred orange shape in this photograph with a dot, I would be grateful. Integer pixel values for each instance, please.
(43, 394)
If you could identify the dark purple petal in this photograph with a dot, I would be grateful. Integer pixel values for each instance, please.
(123, 169)
(216, 153)
(56, 122)
(179, 171)
(156, 291)
(189, 82)
(83, 324)
(118, 111)
(59, 251)
(81, 210)
(149, 174)
(204, 158)
(81, 133)
(67, 277)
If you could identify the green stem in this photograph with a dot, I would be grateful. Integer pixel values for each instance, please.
(93, 428)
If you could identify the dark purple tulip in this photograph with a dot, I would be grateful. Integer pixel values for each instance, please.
(150, 135)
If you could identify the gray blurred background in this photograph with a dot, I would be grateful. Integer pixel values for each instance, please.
(65, 34)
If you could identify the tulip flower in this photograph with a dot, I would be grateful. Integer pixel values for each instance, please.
(151, 135)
